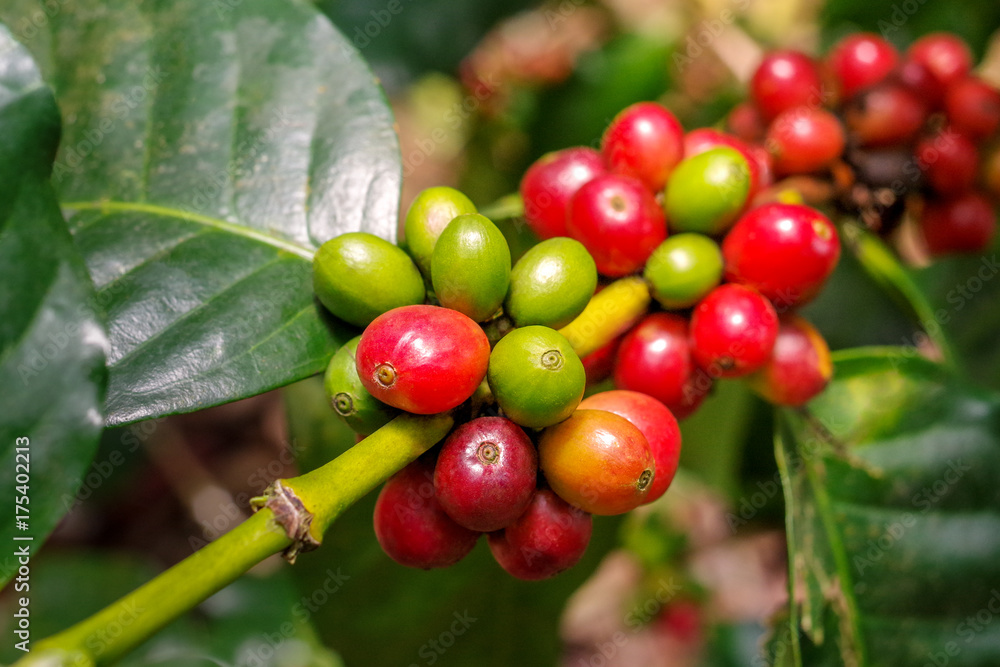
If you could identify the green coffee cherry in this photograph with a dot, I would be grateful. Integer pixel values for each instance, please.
(427, 217)
(706, 192)
(361, 411)
(551, 284)
(683, 269)
(358, 276)
(470, 267)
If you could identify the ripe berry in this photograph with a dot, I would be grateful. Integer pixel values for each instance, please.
(619, 222)
(422, 359)
(949, 161)
(973, 107)
(946, 57)
(644, 141)
(745, 122)
(804, 139)
(799, 367)
(655, 421)
(427, 217)
(597, 461)
(964, 223)
(707, 191)
(861, 60)
(784, 80)
(885, 115)
(551, 182)
(549, 537)
(599, 364)
(785, 251)
(485, 473)
(733, 331)
(655, 358)
(683, 269)
(411, 526)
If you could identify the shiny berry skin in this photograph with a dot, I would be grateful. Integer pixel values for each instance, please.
(597, 461)
(965, 223)
(422, 359)
(799, 368)
(644, 141)
(860, 61)
(949, 160)
(707, 191)
(411, 526)
(550, 183)
(758, 160)
(804, 139)
(485, 473)
(655, 359)
(946, 58)
(655, 421)
(619, 221)
(973, 107)
(683, 269)
(733, 331)
(885, 115)
(784, 80)
(550, 537)
(784, 251)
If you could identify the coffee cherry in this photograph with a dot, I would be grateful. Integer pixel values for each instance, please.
(804, 139)
(551, 182)
(536, 377)
(946, 58)
(427, 217)
(485, 473)
(785, 251)
(656, 423)
(949, 161)
(549, 537)
(964, 223)
(422, 359)
(784, 80)
(619, 222)
(644, 141)
(358, 276)
(885, 115)
(758, 160)
(707, 191)
(411, 526)
(470, 267)
(599, 364)
(973, 107)
(860, 61)
(683, 269)
(655, 358)
(361, 411)
(799, 367)
(551, 284)
(733, 331)
(597, 461)
(745, 122)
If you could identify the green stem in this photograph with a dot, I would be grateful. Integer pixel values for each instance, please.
(324, 493)
(508, 206)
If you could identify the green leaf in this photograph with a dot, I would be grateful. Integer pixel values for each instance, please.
(893, 516)
(52, 342)
(210, 147)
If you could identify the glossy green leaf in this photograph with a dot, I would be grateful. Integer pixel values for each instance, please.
(209, 148)
(893, 516)
(52, 342)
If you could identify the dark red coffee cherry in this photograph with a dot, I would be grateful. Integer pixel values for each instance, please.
(804, 139)
(485, 473)
(655, 359)
(860, 61)
(733, 331)
(784, 80)
(411, 526)
(946, 58)
(949, 160)
(644, 141)
(799, 367)
(599, 364)
(551, 182)
(885, 115)
(619, 221)
(973, 107)
(550, 537)
(785, 251)
(964, 223)
(422, 359)
(745, 122)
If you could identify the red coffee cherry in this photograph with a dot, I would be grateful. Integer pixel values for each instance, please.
(655, 421)
(411, 526)
(655, 359)
(422, 359)
(600, 363)
(644, 141)
(860, 61)
(745, 122)
(551, 182)
(885, 115)
(784, 80)
(973, 107)
(619, 221)
(799, 367)
(550, 537)
(964, 223)
(946, 58)
(949, 160)
(804, 139)
(733, 331)
(485, 473)
(785, 251)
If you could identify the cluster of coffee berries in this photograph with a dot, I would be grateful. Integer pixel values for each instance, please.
(727, 275)
(899, 134)
(451, 326)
